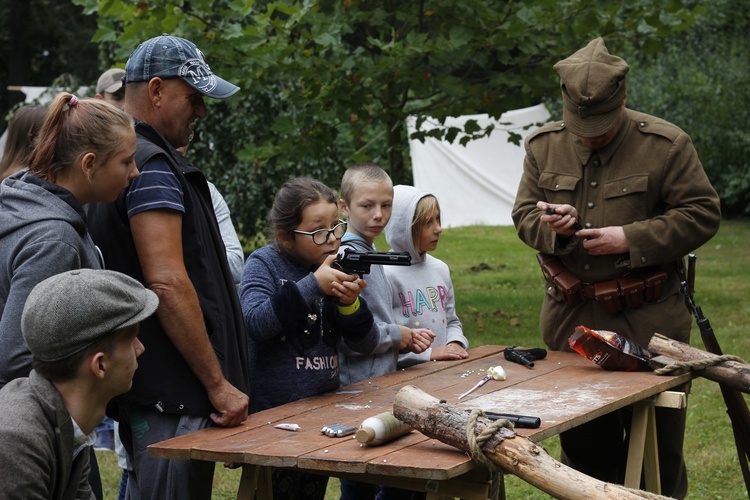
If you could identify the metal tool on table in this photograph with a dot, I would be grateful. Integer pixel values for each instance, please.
(484, 380)
(515, 354)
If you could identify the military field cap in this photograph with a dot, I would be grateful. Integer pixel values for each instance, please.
(69, 312)
(593, 87)
(168, 56)
(110, 81)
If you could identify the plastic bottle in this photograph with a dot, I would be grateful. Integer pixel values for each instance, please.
(381, 429)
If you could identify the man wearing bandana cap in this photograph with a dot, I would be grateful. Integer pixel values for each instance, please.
(635, 185)
(163, 232)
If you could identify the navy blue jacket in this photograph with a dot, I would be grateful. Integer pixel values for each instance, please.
(293, 330)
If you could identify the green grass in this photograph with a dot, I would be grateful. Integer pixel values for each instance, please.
(499, 293)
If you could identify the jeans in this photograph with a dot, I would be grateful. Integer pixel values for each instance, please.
(158, 478)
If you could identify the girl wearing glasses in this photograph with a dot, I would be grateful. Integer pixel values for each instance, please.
(297, 307)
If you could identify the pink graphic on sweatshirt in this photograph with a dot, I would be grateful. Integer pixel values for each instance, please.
(421, 301)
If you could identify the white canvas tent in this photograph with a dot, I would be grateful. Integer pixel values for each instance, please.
(33, 93)
(475, 184)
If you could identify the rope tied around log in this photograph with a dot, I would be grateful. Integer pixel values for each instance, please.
(697, 364)
(476, 442)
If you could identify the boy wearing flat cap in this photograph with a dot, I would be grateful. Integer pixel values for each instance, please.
(81, 327)
(618, 197)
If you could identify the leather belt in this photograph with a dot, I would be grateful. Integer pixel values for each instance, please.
(628, 291)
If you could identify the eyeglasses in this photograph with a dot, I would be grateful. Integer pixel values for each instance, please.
(320, 237)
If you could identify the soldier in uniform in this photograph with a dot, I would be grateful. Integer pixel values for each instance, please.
(618, 197)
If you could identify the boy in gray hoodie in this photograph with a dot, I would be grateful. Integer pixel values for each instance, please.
(367, 200)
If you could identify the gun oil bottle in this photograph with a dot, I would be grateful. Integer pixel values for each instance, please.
(380, 429)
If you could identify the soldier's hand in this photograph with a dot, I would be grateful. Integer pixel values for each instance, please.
(604, 240)
(559, 218)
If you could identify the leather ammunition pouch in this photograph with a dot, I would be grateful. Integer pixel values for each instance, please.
(607, 293)
(632, 290)
(557, 275)
(628, 291)
(654, 283)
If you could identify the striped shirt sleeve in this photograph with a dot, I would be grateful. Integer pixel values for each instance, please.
(156, 187)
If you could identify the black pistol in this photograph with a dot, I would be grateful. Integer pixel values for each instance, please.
(524, 356)
(354, 262)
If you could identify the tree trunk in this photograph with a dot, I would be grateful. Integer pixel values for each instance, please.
(513, 454)
(732, 373)
(16, 55)
(393, 101)
(394, 136)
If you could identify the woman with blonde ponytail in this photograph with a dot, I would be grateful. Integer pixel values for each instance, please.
(84, 152)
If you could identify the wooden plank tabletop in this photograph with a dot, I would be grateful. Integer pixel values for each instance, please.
(564, 390)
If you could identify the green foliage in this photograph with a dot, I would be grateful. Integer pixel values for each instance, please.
(701, 82)
(332, 82)
(43, 41)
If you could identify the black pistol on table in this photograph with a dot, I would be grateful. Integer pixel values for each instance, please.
(524, 356)
(353, 262)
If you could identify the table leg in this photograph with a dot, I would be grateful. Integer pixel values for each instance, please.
(651, 469)
(497, 491)
(643, 452)
(435, 496)
(255, 483)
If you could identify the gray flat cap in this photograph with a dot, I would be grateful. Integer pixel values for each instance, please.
(69, 312)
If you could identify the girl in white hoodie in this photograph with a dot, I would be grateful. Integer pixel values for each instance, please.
(423, 295)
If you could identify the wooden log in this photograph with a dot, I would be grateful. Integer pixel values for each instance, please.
(732, 373)
(512, 453)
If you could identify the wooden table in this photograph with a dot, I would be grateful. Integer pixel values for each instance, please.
(564, 390)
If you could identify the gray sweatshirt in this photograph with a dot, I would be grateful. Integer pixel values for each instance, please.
(42, 233)
(423, 295)
(356, 366)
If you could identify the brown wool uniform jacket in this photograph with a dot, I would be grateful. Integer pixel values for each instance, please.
(648, 180)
